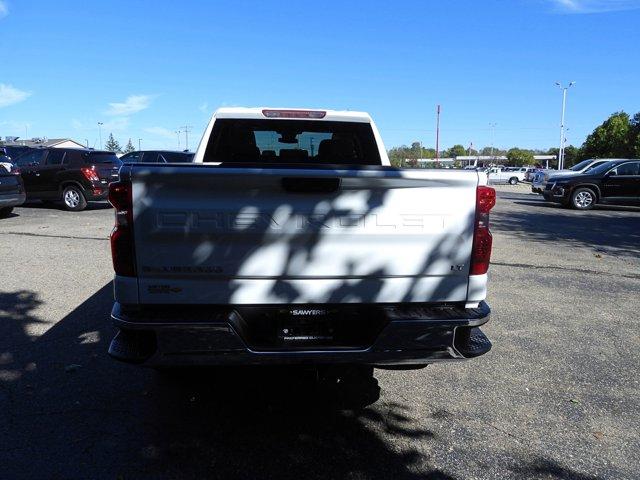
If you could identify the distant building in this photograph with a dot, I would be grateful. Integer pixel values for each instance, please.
(482, 160)
(432, 160)
(479, 160)
(43, 142)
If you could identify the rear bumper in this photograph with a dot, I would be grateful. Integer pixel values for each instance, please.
(97, 191)
(12, 199)
(413, 335)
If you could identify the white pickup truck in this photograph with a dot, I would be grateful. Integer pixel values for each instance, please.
(291, 240)
(507, 175)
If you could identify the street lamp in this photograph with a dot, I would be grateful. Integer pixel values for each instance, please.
(100, 133)
(562, 137)
(492, 125)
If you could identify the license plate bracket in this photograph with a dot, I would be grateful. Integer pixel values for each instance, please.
(305, 327)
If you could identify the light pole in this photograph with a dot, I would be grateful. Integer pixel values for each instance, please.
(139, 144)
(493, 132)
(562, 139)
(100, 133)
(438, 134)
(178, 132)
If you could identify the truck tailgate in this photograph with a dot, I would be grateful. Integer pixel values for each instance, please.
(210, 234)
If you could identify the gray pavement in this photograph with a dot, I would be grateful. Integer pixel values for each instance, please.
(557, 397)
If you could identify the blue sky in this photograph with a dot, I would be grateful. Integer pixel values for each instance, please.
(145, 68)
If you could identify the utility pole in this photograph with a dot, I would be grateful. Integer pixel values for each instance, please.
(562, 137)
(186, 129)
(178, 132)
(100, 133)
(438, 134)
(139, 143)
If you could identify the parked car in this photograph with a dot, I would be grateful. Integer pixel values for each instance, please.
(529, 173)
(615, 182)
(278, 250)
(14, 151)
(505, 175)
(523, 173)
(75, 176)
(5, 160)
(538, 181)
(541, 178)
(157, 156)
(12, 192)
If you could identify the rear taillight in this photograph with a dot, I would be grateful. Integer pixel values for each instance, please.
(122, 247)
(90, 174)
(482, 241)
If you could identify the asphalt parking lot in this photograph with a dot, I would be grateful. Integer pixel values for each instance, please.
(557, 397)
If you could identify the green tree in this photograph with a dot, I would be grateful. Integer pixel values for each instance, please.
(613, 138)
(428, 152)
(129, 147)
(496, 151)
(396, 162)
(519, 157)
(572, 155)
(634, 141)
(112, 144)
(416, 150)
(403, 155)
(487, 151)
(456, 151)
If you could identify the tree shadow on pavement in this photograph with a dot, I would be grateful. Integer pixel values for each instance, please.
(619, 233)
(596, 208)
(67, 410)
(70, 411)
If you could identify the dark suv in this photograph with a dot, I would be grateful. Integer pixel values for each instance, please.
(157, 156)
(615, 182)
(72, 175)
